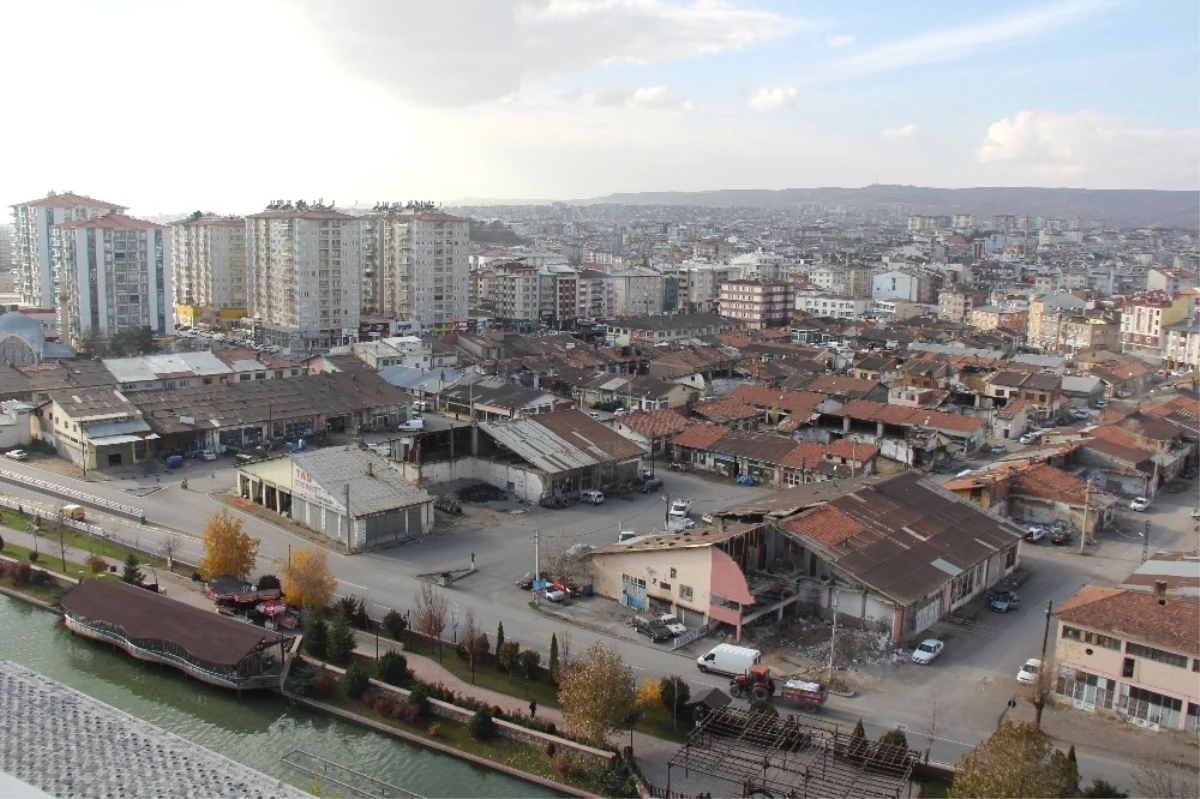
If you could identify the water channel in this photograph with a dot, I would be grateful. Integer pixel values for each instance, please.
(256, 730)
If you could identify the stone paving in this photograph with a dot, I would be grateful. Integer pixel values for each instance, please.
(70, 745)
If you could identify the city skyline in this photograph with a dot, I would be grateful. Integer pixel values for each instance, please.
(362, 101)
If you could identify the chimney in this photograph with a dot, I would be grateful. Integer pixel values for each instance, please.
(1160, 591)
(370, 469)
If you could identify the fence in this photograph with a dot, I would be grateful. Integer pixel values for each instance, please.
(80, 497)
(355, 782)
(694, 634)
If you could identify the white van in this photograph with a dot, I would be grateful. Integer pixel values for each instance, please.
(412, 425)
(729, 659)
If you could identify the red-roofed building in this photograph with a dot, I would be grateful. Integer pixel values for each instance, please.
(1131, 653)
(909, 435)
(652, 429)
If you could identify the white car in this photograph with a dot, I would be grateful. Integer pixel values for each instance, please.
(555, 594)
(998, 449)
(927, 651)
(596, 416)
(1027, 674)
(1139, 504)
(673, 624)
(1035, 533)
(17, 455)
(208, 455)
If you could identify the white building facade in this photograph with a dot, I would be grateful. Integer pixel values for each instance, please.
(33, 244)
(305, 268)
(637, 292)
(113, 274)
(832, 306)
(208, 256)
(417, 267)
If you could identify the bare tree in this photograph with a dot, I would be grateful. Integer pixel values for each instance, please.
(430, 611)
(559, 561)
(1162, 778)
(170, 547)
(564, 649)
(931, 730)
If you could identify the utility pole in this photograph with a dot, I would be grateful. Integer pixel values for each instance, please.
(1145, 540)
(1083, 532)
(349, 521)
(832, 637)
(537, 554)
(1040, 704)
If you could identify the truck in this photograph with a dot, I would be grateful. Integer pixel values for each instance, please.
(729, 659)
(680, 509)
(758, 683)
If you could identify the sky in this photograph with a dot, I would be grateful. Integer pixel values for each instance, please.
(225, 105)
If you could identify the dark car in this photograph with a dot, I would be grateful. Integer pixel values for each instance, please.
(527, 580)
(1003, 601)
(1061, 537)
(651, 485)
(647, 625)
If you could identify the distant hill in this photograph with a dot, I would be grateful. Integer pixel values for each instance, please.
(1117, 207)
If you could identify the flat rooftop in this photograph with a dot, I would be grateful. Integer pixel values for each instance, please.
(70, 745)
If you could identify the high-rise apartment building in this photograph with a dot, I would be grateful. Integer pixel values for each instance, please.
(757, 303)
(208, 259)
(304, 265)
(33, 243)
(113, 273)
(416, 266)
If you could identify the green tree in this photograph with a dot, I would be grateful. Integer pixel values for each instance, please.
(858, 747)
(508, 657)
(132, 341)
(1018, 760)
(530, 659)
(763, 706)
(316, 635)
(394, 624)
(675, 693)
(1103, 789)
(392, 668)
(481, 727)
(596, 693)
(499, 643)
(132, 573)
(554, 657)
(892, 747)
(341, 640)
(355, 681)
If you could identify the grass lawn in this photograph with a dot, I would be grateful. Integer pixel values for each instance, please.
(75, 540)
(48, 559)
(49, 594)
(514, 754)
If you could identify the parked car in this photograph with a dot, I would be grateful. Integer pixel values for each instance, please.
(1102, 404)
(674, 625)
(527, 580)
(569, 586)
(17, 454)
(1139, 504)
(1061, 537)
(1035, 533)
(592, 497)
(1003, 601)
(1027, 674)
(595, 416)
(1188, 474)
(652, 627)
(651, 485)
(927, 651)
(208, 455)
(1196, 513)
(998, 449)
(1028, 438)
(1082, 413)
(555, 594)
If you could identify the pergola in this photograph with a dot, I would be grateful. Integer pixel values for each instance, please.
(783, 756)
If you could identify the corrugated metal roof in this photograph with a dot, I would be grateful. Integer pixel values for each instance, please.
(375, 486)
(541, 447)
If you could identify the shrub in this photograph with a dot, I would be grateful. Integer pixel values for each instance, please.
(412, 713)
(419, 698)
(392, 668)
(434, 730)
(399, 711)
(95, 563)
(39, 577)
(481, 726)
(322, 685)
(382, 705)
(763, 706)
(197, 577)
(551, 749)
(22, 573)
(394, 624)
(316, 636)
(268, 581)
(564, 765)
(1, 543)
(33, 557)
(355, 680)
(354, 610)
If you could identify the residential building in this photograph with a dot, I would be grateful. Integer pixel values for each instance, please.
(208, 264)
(1046, 316)
(1089, 333)
(1172, 281)
(637, 292)
(113, 274)
(1183, 345)
(993, 317)
(837, 307)
(1145, 319)
(416, 266)
(305, 264)
(956, 305)
(558, 293)
(595, 296)
(914, 286)
(757, 303)
(668, 327)
(516, 292)
(33, 243)
(1131, 653)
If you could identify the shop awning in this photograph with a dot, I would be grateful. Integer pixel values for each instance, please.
(112, 440)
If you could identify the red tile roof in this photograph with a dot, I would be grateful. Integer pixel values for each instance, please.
(826, 525)
(701, 436)
(111, 222)
(1136, 614)
(866, 410)
(69, 199)
(793, 402)
(806, 455)
(726, 409)
(853, 450)
(841, 384)
(655, 424)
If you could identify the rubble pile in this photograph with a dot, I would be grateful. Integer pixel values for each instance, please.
(807, 639)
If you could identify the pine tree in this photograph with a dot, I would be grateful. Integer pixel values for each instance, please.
(341, 641)
(133, 573)
(499, 643)
(316, 635)
(553, 657)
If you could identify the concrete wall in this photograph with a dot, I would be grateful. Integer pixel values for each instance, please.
(526, 485)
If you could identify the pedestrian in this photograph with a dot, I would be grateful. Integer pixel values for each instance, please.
(532, 708)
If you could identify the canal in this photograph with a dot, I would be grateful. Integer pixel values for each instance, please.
(256, 730)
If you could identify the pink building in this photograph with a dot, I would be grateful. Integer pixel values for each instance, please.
(757, 303)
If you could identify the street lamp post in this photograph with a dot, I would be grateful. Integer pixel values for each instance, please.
(1040, 697)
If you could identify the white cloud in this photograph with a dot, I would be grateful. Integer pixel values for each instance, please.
(842, 40)
(440, 53)
(951, 44)
(1087, 148)
(647, 98)
(771, 99)
(903, 132)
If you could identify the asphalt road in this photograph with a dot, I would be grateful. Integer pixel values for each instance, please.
(969, 685)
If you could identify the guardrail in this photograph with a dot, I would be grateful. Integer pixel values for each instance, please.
(80, 497)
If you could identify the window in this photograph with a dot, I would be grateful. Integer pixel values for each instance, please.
(673, 575)
(1127, 668)
(685, 593)
(1150, 653)
(665, 587)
